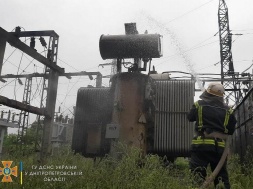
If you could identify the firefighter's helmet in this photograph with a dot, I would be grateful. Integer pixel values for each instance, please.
(216, 89)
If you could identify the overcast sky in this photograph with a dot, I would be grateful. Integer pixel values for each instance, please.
(188, 28)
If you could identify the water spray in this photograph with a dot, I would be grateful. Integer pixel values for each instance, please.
(178, 45)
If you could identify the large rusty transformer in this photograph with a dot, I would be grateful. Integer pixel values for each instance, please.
(147, 111)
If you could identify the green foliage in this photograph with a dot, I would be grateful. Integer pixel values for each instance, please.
(12, 147)
(241, 173)
(125, 169)
(10, 142)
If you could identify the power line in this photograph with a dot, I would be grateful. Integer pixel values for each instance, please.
(70, 90)
(7, 84)
(38, 85)
(10, 62)
(12, 53)
(243, 30)
(17, 74)
(65, 94)
(193, 48)
(67, 64)
(9, 56)
(67, 108)
(74, 67)
(196, 46)
(31, 60)
(189, 12)
(208, 66)
(37, 88)
(67, 91)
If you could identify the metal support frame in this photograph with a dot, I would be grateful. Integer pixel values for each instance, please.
(228, 76)
(45, 76)
(13, 40)
(50, 108)
(21, 106)
(113, 65)
(51, 62)
(68, 75)
(243, 81)
(50, 85)
(39, 128)
(131, 29)
(24, 115)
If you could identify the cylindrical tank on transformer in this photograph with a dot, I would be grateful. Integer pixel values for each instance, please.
(130, 46)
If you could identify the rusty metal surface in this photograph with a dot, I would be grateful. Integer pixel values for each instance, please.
(93, 112)
(172, 131)
(128, 108)
(243, 135)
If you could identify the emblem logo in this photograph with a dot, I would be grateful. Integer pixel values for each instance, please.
(7, 171)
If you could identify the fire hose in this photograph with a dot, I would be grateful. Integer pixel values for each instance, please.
(211, 178)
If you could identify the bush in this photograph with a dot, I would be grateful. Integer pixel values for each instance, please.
(127, 170)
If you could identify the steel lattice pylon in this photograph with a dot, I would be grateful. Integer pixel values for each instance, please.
(24, 115)
(228, 76)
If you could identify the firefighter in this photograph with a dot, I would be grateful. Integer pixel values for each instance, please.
(214, 122)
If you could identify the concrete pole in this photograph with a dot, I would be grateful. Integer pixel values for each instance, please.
(2, 50)
(46, 146)
(2, 133)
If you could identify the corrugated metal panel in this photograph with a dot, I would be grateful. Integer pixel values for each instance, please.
(93, 112)
(173, 132)
(243, 137)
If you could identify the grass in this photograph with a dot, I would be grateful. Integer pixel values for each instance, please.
(126, 170)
